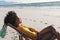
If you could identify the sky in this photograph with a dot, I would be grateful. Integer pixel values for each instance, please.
(29, 1)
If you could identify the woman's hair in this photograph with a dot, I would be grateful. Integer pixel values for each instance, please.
(11, 18)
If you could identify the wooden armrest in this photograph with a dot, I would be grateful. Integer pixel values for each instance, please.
(16, 29)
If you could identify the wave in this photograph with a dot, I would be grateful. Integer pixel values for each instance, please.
(40, 4)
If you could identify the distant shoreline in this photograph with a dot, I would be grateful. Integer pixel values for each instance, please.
(49, 7)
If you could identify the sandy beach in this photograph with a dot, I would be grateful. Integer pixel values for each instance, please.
(37, 18)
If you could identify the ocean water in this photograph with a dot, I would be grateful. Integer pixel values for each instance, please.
(38, 4)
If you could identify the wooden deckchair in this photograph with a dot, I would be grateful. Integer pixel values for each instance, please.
(21, 36)
(26, 38)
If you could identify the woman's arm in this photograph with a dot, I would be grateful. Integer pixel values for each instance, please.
(31, 29)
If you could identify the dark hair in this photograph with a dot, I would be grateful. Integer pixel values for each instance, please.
(11, 18)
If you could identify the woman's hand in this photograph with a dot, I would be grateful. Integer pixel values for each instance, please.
(33, 30)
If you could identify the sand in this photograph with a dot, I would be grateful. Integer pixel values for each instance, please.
(37, 18)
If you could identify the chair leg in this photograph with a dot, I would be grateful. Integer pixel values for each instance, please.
(27, 38)
(20, 37)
